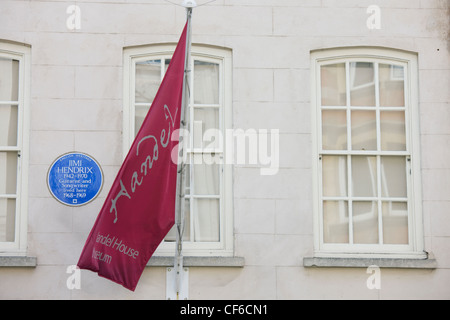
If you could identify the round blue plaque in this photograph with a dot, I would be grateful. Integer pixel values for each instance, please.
(75, 179)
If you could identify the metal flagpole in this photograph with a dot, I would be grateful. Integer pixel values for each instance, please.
(181, 186)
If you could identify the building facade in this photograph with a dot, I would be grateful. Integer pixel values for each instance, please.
(318, 138)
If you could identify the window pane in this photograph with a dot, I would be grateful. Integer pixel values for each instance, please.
(9, 79)
(7, 220)
(206, 178)
(188, 178)
(334, 177)
(166, 64)
(392, 87)
(8, 125)
(172, 235)
(8, 172)
(395, 222)
(365, 222)
(206, 221)
(334, 130)
(362, 84)
(393, 178)
(206, 82)
(187, 133)
(333, 86)
(335, 222)
(364, 130)
(364, 176)
(148, 79)
(206, 119)
(187, 220)
(393, 134)
(139, 117)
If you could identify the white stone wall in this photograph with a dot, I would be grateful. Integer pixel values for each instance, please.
(76, 104)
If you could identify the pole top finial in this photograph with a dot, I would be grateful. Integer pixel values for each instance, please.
(189, 3)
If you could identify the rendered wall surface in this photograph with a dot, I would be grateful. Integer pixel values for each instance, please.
(76, 104)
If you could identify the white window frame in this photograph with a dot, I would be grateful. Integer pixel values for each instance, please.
(415, 247)
(22, 53)
(222, 56)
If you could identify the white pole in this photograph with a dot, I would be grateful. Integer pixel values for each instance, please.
(181, 186)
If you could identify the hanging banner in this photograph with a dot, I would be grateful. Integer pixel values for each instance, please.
(140, 208)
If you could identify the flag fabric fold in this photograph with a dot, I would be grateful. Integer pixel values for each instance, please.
(139, 210)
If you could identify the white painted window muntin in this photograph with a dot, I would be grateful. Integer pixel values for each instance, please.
(22, 54)
(375, 55)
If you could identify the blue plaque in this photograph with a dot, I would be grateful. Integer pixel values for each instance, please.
(75, 179)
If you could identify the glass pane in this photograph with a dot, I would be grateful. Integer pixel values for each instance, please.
(206, 178)
(9, 79)
(365, 222)
(206, 82)
(392, 87)
(206, 128)
(139, 117)
(335, 222)
(148, 79)
(8, 125)
(8, 172)
(187, 220)
(334, 177)
(364, 176)
(166, 65)
(333, 85)
(207, 222)
(393, 131)
(172, 235)
(362, 84)
(334, 130)
(188, 179)
(186, 129)
(364, 130)
(7, 220)
(393, 177)
(395, 222)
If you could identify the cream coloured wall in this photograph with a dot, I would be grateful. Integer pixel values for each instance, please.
(76, 104)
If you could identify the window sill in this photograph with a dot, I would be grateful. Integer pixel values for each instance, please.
(319, 262)
(234, 262)
(18, 261)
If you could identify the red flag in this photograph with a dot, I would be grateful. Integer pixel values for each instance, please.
(140, 208)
